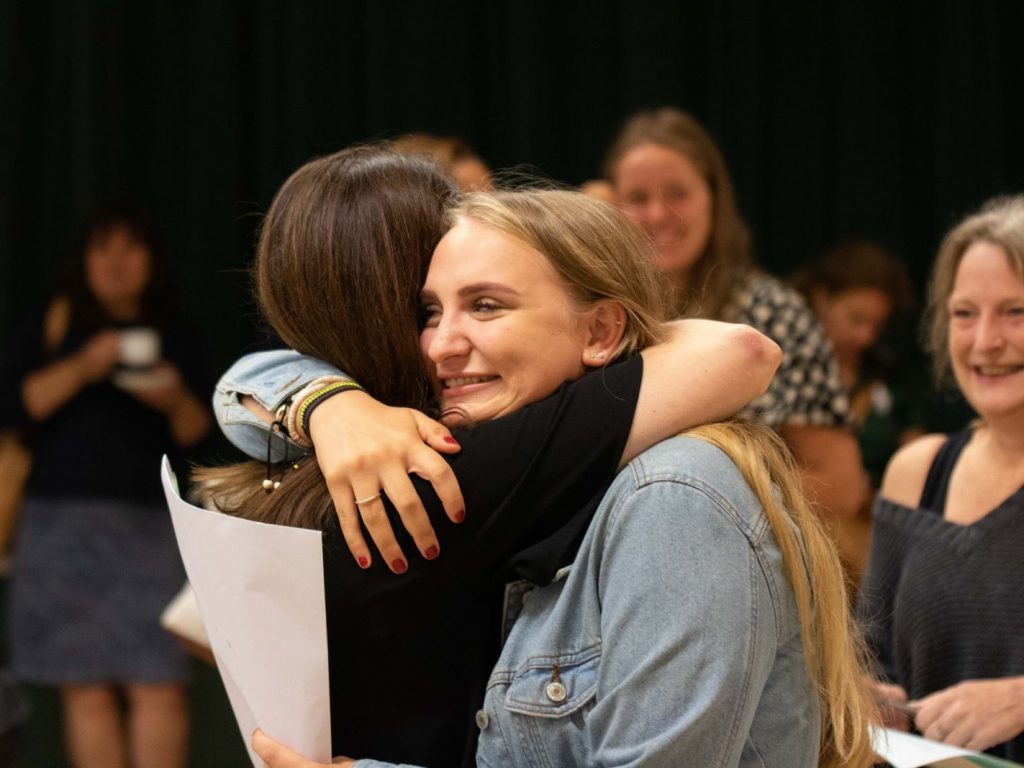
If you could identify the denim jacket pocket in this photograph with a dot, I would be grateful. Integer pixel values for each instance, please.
(554, 686)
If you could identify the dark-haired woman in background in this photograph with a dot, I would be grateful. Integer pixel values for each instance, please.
(856, 289)
(95, 560)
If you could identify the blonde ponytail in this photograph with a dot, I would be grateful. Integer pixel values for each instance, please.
(833, 648)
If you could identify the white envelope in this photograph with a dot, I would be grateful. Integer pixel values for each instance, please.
(260, 590)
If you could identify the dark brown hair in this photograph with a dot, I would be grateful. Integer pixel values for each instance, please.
(157, 305)
(727, 257)
(857, 265)
(342, 255)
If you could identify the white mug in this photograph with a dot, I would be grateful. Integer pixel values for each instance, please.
(140, 347)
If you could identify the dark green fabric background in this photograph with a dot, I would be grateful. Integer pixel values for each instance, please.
(878, 118)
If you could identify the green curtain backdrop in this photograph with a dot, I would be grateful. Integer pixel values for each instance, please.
(872, 118)
(878, 118)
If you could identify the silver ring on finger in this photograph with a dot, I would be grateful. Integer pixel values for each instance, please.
(368, 499)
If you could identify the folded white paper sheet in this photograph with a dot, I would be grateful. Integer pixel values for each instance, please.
(260, 590)
(902, 750)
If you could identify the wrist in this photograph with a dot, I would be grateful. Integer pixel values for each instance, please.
(308, 399)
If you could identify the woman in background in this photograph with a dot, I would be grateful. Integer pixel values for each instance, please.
(942, 602)
(857, 289)
(455, 156)
(671, 179)
(96, 560)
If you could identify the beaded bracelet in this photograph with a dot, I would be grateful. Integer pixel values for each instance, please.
(312, 402)
(292, 423)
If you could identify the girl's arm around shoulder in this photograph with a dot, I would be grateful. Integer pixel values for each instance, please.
(704, 371)
(907, 470)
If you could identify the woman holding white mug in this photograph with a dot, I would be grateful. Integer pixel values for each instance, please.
(95, 558)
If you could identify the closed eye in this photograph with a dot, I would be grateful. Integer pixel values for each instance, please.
(430, 315)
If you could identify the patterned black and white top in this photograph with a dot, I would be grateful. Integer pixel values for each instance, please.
(807, 389)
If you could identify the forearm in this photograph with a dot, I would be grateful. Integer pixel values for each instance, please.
(44, 391)
(189, 421)
(266, 380)
(830, 468)
(706, 370)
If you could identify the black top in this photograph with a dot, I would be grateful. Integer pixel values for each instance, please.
(410, 655)
(103, 442)
(936, 484)
(941, 603)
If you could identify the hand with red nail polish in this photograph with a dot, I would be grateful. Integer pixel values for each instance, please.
(367, 451)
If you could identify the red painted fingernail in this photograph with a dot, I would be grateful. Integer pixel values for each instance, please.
(363, 562)
(398, 565)
(459, 516)
(451, 440)
(432, 552)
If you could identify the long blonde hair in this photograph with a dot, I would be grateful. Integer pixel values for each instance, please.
(601, 255)
(833, 649)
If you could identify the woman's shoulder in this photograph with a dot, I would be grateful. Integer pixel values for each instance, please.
(907, 471)
(692, 463)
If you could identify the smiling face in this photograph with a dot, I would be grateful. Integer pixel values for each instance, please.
(502, 330)
(986, 332)
(665, 193)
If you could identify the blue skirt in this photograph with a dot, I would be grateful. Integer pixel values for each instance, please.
(90, 579)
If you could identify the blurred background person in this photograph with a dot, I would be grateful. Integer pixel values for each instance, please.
(942, 602)
(600, 189)
(95, 559)
(455, 156)
(670, 178)
(857, 290)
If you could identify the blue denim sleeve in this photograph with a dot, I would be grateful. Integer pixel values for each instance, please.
(378, 764)
(270, 378)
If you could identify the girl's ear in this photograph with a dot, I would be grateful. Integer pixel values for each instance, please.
(604, 325)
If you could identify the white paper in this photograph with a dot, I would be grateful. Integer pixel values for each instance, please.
(260, 590)
(903, 750)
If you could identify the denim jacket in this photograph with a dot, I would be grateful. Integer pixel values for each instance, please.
(270, 378)
(673, 641)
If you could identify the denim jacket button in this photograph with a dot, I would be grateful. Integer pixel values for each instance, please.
(556, 692)
(483, 720)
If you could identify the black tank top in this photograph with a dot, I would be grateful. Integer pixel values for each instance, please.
(936, 485)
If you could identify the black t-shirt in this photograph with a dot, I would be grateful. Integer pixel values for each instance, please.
(103, 442)
(410, 655)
